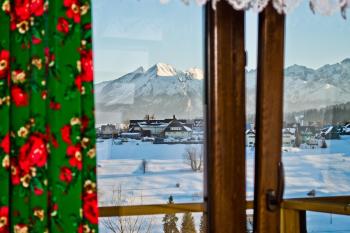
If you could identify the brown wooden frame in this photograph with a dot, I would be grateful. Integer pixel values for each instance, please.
(224, 199)
(226, 118)
(269, 118)
(225, 98)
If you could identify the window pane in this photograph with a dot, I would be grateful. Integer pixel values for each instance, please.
(316, 144)
(251, 29)
(149, 87)
(316, 148)
(320, 222)
(155, 224)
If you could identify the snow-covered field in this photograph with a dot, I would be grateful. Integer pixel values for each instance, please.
(120, 175)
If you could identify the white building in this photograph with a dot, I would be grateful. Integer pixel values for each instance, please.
(288, 137)
(250, 138)
(176, 129)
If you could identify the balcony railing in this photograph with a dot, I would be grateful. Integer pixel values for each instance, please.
(293, 211)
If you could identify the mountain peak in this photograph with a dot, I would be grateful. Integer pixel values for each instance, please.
(298, 70)
(195, 73)
(163, 70)
(139, 70)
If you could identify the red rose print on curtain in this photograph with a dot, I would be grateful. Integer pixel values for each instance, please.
(66, 175)
(4, 63)
(72, 10)
(4, 219)
(19, 96)
(5, 144)
(47, 136)
(63, 25)
(90, 208)
(33, 153)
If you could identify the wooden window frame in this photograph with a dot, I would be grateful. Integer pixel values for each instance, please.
(226, 60)
(269, 121)
(225, 192)
(224, 196)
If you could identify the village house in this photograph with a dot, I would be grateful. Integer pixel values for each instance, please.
(288, 136)
(161, 128)
(136, 136)
(177, 129)
(108, 131)
(250, 138)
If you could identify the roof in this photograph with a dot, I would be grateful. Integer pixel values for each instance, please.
(249, 131)
(177, 123)
(288, 131)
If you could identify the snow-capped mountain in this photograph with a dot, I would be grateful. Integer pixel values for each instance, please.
(307, 88)
(161, 90)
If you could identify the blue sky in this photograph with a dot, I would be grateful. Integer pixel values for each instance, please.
(133, 33)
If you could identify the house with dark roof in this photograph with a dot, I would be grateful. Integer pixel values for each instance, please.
(161, 128)
(250, 137)
(177, 129)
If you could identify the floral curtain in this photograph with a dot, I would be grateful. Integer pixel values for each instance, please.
(47, 137)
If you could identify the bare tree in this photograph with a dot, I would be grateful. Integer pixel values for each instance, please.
(193, 156)
(128, 224)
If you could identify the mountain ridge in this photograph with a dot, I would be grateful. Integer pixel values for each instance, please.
(164, 91)
(161, 90)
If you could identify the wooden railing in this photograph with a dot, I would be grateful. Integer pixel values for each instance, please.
(293, 211)
(135, 210)
(120, 211)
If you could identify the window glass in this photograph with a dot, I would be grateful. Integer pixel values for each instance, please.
(321, 222)
(149, 91)
(251, 29)
(316, 139)
(183, 222)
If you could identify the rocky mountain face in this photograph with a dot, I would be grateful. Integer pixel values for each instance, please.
(161, 90)
(306, 88)
(164, 91)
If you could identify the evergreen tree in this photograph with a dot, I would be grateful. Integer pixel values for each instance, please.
(187, 225)
(203, 224)
(170, 220)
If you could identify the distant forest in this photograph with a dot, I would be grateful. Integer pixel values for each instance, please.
(334, 114)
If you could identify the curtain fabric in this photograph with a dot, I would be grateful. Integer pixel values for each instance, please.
(47, 136)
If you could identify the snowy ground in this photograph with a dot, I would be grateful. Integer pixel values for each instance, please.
(120, 172)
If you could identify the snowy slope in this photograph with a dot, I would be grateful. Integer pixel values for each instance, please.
(307, 88)
(324, 170)
(161, 90)
(164, 90)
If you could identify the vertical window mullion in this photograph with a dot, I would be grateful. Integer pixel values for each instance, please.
(226, 119)
(269, 119)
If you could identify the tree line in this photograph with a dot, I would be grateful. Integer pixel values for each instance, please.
(334, 114)
(187, 225)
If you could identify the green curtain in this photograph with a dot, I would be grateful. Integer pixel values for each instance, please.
(47, 136)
